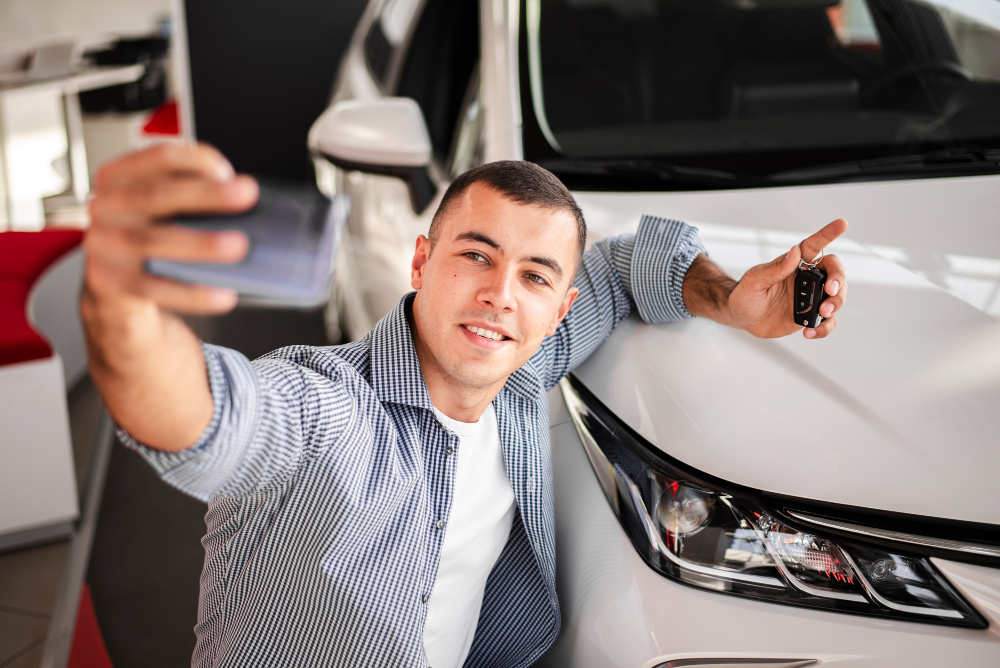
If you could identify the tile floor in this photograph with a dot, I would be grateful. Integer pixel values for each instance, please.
(29, 577)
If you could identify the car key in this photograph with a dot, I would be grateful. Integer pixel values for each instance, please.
(810, 292)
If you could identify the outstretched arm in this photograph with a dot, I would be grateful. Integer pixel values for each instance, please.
(663, 273)
(641, 272)
(146, 363)
(761, 301)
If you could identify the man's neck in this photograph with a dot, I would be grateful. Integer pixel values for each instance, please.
(461, 402)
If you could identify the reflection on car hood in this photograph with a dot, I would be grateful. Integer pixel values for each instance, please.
(898, 410)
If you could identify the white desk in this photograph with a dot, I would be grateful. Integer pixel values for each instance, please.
(42, 152)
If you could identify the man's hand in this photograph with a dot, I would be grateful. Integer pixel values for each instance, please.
(133, 197)
(761, 302)
(146, 363)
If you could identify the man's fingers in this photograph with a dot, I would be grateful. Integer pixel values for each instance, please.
(126, 248)
(198, 196)
(822, 331)
(832, 305)
(175, 242)
(163, 160)
(835, 274)
(115, 269)
(135, 206)
(812, 246)
(776, 270)
(184, 298)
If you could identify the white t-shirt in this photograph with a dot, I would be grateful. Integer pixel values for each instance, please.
(482, 510)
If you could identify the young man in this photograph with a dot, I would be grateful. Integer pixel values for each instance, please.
(387, 502)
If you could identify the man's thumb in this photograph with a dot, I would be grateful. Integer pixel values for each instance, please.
(781, 267)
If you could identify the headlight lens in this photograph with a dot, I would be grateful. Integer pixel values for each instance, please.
(709, 534)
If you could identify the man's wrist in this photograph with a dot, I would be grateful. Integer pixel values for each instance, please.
(121, 328)
(707, 289)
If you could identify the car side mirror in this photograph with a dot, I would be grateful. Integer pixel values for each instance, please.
(384, 136)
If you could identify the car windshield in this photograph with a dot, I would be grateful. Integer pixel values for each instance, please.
(758, 86)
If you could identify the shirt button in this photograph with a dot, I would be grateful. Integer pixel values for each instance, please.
(441, 524)
(425, 598)
(449, 450)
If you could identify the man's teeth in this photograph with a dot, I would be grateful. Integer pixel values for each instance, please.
(485, 333)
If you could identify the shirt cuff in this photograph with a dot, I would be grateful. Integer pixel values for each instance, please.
(207, 460)
(662, 252)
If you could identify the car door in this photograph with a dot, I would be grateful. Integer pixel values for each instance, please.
(433, 59)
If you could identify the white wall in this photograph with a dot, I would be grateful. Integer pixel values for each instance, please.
(25, 23)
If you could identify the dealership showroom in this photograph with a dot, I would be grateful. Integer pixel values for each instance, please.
(500, 333)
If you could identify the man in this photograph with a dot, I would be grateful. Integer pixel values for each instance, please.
(389, 501)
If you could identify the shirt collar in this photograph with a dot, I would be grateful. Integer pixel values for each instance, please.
(396, 376)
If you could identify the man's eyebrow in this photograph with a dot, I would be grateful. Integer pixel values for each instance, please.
(482, 238)
(547, 262)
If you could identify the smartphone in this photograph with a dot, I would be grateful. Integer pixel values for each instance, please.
(293, 232)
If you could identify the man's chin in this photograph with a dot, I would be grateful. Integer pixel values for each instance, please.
(480, 376)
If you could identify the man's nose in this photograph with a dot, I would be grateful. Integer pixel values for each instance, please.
(497, 290)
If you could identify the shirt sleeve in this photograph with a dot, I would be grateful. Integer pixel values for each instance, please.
(643, 271)
(267, 416)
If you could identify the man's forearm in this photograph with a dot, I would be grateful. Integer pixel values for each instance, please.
(147, 364)
(150, 370)
(706, 291)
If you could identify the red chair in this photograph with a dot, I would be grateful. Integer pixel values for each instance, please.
(38, 496)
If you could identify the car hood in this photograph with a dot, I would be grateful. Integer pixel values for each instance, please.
(898, 410)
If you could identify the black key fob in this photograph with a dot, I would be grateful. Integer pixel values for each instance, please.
(810, 291)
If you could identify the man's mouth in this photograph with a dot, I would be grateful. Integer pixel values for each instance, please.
(486, 333)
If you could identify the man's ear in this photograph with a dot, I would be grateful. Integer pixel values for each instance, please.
(420, 255)
(563, 310)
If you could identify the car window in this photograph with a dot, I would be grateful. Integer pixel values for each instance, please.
(386, 35)
(439, 65)
(714, 83)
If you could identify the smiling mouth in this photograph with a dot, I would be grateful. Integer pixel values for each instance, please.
(487, 333)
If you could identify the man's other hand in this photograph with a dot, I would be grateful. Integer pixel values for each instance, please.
(134, 196)
(761, 302)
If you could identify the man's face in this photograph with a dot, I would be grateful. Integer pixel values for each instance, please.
(497, 282)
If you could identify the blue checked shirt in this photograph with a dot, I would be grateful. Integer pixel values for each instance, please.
(326, 473)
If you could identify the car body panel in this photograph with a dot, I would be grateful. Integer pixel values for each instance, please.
(498, 69)
(896, 411)
(979, 584)
(617, 612)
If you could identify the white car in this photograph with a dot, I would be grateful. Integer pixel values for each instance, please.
(724, 500)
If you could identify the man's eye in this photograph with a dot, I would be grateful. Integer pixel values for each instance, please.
(475, 257)
(535, 278)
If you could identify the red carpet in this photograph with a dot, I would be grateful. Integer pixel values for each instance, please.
(88, 645)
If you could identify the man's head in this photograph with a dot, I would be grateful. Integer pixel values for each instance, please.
(495, 277)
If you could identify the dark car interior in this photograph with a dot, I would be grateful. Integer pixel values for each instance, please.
(720, 75)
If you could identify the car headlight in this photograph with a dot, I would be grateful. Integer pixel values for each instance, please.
(714, 535)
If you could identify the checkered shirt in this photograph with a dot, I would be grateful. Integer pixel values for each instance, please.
(326, 473)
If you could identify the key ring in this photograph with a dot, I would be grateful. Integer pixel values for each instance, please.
(812, 265)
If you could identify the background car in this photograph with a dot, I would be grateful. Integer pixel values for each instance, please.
(722, 499)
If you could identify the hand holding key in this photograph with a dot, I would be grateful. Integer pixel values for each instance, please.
(765, 302)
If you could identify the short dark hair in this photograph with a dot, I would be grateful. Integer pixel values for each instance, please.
(519, 181)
